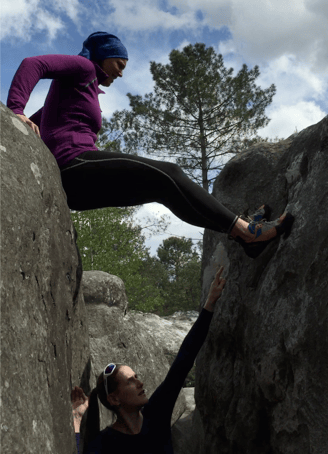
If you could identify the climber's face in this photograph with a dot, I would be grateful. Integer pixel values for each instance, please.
(114, 68)
(130, 392)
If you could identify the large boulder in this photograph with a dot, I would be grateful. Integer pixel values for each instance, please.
(262, 375)
(103, 288)
(169, 331)
(44, 337)
(117, 337)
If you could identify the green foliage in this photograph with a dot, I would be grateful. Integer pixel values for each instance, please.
(109, 241)
(198, 113)
(108, 139)
(175, 253)
(180, 275)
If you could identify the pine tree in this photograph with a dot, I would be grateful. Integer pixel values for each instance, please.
(182, 263)
(198, 113)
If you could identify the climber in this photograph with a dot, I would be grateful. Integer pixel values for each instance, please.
(143, 424)
(69, 122)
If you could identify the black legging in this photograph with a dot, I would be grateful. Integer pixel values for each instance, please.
(98, 179)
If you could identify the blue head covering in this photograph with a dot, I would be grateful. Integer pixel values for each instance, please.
(101, 45)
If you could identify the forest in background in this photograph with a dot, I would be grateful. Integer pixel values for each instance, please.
(110, 240)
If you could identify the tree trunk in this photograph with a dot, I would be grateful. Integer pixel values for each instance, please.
(203, 148)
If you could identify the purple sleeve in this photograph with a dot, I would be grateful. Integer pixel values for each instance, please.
(33, 69)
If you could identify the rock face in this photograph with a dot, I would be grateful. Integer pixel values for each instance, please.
(116, 337)
(45, 325)
(190, 401)
(169, 331)
(44, 338)
(262, 375)
(185, 440)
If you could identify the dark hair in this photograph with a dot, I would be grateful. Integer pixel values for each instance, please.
(92, 427)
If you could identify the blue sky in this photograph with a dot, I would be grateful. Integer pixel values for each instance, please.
(288, 40)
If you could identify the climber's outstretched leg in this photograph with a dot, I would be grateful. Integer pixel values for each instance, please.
(98, 179)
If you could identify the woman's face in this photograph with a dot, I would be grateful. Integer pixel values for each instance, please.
(130, 392)
(114, 68)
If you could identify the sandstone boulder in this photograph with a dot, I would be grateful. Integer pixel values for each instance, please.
(169, 331)
(116, 337)
(262, 375)
(102, 288)
(44, 337)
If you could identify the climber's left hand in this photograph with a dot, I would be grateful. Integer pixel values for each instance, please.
(80, 403)
(30, 123)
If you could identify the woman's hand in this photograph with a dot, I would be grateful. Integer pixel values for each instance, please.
(215, 291)
(30, 123)
(80, 403)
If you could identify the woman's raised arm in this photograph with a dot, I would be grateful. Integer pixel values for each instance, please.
(215, 291)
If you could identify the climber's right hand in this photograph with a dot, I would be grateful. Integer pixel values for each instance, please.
(30, 123)
(215, 291)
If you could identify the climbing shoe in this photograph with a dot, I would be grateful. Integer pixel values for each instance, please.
(265, 232)
(263, 213)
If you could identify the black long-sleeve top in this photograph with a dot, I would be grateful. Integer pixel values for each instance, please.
(155, 434)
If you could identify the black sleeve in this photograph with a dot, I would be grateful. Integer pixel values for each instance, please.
(165, 396)
(77, 437)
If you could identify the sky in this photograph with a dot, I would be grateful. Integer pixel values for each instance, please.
(287, 39)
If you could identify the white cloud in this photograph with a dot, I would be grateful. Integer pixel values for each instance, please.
(26, 17)
(176, 227)
(300, 99)
(148, 16)
(183, 44)
(294, 80)
(16, 22)
(264, 30)
(227, 47)
(216, 13)
(71, 8)
(46, 22)
(261, 30)
(287, 119)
